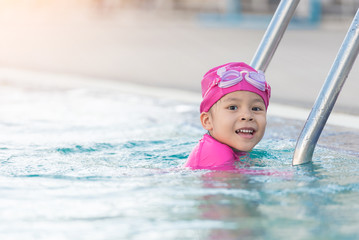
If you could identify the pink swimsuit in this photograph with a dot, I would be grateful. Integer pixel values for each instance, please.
(213, 155)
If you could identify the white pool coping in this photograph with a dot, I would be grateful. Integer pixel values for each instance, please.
(12, 76)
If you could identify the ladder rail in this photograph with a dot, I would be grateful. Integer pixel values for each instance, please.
(274, 34)
(328, 95)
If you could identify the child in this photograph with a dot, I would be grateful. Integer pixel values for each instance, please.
(233, 111)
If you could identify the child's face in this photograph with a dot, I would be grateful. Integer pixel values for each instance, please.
(238, 120)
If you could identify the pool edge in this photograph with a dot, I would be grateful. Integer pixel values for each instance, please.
(36, 78)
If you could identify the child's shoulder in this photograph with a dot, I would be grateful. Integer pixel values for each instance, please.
(210, 154)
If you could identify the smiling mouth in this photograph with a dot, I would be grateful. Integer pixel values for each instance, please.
(245, 131)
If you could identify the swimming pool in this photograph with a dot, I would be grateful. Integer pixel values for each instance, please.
(89, 162)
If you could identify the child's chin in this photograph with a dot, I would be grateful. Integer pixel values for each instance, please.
(242, 149)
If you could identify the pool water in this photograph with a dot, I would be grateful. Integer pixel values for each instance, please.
(99, 163)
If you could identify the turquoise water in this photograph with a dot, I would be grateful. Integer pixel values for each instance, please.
(92, 163)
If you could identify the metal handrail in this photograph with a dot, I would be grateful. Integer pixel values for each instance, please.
(328, 95)
(274, 34)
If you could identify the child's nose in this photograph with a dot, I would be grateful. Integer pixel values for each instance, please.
(247, 119)
(246, 116)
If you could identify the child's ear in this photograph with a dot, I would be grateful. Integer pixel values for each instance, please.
(206, 121)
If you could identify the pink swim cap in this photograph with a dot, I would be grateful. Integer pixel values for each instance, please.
(231, 77)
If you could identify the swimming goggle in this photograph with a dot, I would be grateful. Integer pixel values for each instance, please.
(232, 77)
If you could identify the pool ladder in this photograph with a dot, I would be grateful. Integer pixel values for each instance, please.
(332, 86)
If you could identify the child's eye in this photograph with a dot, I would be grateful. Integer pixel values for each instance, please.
(232, 107)
(256, 109)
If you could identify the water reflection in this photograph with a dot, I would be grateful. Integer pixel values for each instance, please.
(235, 204)
(316, 198)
